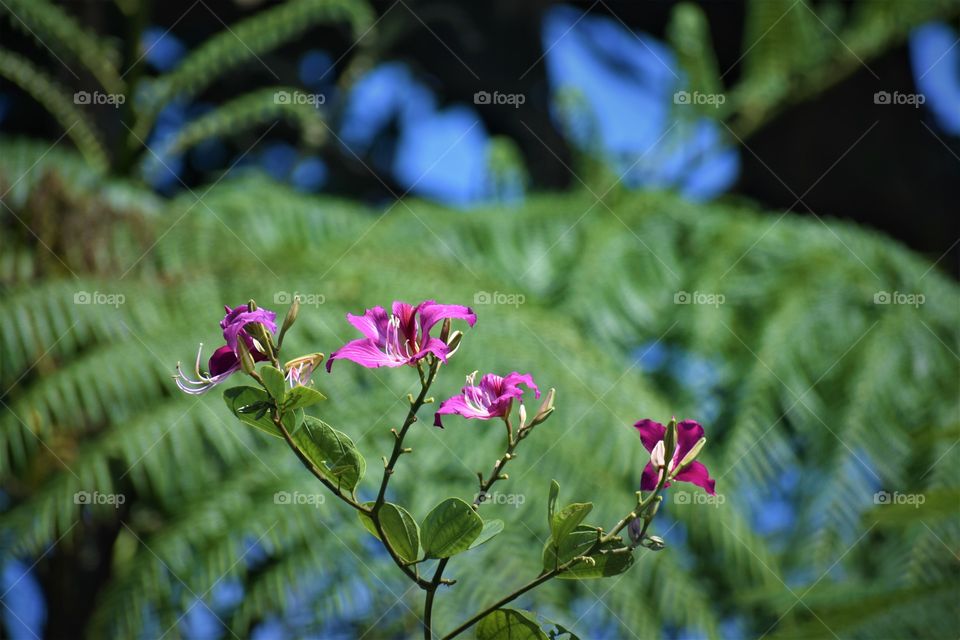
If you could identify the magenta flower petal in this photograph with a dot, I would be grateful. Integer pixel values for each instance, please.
(431, 313)
(648, 480)
(515, 379)
(458, 405)
(372, 324)
(650, 433)
(223, 360)
(696, 473)
(437, 347)
(364, 352)
(239, 317)
(688, 434)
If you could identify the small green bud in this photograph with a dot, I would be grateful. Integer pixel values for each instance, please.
(246, 360)
(289, 319)
(691, 455)
(546, 408)
(445, 329)
(670, 438)
(654, 543)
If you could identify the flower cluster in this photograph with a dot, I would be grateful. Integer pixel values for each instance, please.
(402, 337)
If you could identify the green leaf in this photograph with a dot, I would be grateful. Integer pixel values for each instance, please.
(576, 543)
(604, 567)
(400, 528)
(274, 382)
(568, 519)
(509, 624)
(301, 397)
(491, 528)
(450, 528)
(579, 543)
(251, 406)
(552, 502)
(331, 451)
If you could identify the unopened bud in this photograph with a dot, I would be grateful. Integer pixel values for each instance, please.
(657, 456)
(454, 342)
(523, 416)
(290, 318)
(251, 306)
(654, 543)
(246, 360)
(445, 329)
(546, 408)
(670, 438)
(691, 455)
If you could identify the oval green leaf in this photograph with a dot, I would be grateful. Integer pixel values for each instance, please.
(450, 529)
(568, 519)
(274, 382)
(252, 407)
(302, 397)
(509, 624)
(399, 527)
(332, 452)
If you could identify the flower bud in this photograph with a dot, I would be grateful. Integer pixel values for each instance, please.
(654, 543)
(290, 318)
(246, 360)
(691, 455)
(670, 438)
(454, 343)
(445, 329)
(546, 408)
(634, 528)
(657, 456)
(523, 416)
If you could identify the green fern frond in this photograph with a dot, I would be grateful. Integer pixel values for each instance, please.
(56, 29)
(245, 42)
(54, 99)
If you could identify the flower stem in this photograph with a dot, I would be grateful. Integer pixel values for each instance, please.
(398, 450)
(277, 420)
(485, 486)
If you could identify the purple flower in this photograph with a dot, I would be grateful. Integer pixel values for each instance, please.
(403, 337)
(689, 434)
(225, 361)
(492, 398)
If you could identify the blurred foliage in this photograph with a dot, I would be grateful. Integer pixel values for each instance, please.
(809, 375)
(792, 50)
(145, 97)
